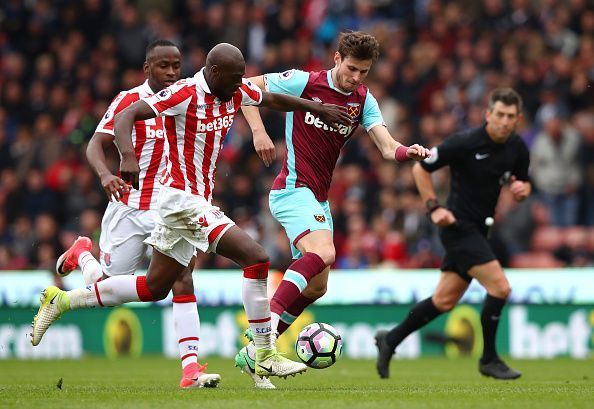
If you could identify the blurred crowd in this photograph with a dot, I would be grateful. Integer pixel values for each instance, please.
(62, 61)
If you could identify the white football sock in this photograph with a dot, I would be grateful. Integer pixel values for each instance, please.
(91, 268)
(106, 293)
(187, 328)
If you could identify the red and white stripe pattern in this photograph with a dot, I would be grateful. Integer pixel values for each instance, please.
(196, 123)
(148, 138)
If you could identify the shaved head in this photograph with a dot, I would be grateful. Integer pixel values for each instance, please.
(225, 68)
(224, 55)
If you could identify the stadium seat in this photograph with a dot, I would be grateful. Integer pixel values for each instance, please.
(534, 260)
(547, 239)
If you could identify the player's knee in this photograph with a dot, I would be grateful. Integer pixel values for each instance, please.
(444, 303)
(159, 293)
(315, 291)
(327, 254)
(502, 291)
(184, 283)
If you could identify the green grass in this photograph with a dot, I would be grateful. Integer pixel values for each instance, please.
(425, 383)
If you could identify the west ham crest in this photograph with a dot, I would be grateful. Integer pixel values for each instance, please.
(320, 218)
(353, 109)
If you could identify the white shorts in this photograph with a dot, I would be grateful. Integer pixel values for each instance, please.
(185, 223)
(123, 231)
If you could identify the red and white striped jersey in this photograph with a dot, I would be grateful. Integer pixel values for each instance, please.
(148, 138)
(196, 123)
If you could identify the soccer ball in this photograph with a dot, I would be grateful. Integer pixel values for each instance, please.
(318, 345)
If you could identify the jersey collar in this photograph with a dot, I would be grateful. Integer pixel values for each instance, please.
(202, 81)
(146, 89)
(331, 83)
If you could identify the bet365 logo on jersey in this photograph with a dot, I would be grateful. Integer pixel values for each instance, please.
(215, 124)
(317, 122)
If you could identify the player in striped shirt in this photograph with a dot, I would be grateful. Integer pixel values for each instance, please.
(198, 112)
(299, 196)
(131, 215)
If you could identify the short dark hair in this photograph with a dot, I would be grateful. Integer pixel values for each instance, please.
(507, 96)
(359, 45)
(155, 44)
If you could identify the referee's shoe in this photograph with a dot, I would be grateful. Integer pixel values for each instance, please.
(498, 370)
(384, 354)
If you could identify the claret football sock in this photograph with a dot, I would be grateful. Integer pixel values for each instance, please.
(293, 311)
(299, 273)
(420, 315)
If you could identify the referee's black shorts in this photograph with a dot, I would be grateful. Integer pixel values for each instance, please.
(465, 246)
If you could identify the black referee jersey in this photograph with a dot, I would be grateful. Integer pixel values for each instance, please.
(479, 168)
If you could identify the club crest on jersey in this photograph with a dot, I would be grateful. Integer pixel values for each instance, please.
(106, 258)
(320, 218)
(353, 109)
(230, 106)
(164, 94)
(316, 99)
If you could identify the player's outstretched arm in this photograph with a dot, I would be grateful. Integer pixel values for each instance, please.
(438, 214)
(113, 186)
(123, 123)
(394, 150)
(330, 114)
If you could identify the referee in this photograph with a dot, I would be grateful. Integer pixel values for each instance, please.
(481, 161)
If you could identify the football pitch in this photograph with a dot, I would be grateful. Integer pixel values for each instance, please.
(151, 382)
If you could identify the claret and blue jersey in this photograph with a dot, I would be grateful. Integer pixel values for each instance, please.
(312, 146)
(299, 196)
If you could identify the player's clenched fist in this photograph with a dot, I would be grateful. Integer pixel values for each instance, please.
(334, 114)
(443, 217)
(520, 189)
(114, 187)
(418, 152)
(130, 170)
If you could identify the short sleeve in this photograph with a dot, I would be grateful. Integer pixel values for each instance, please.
(172, 100)
(444, 154)
(291, 82)
(119, 103)
(250, 93)
(372, 115)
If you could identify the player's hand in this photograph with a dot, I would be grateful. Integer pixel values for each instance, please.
(519, 189)
(443, 217)
(114, 187)
(334, 115)
(418, 152)
(130, 170)
(264, 147)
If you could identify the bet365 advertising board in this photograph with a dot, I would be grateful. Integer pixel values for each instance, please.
(551, 314)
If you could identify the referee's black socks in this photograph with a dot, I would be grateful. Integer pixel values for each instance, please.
(490, 321)
(420, 315)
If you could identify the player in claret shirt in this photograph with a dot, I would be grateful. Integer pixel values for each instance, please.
(299, 195)
(198, 112)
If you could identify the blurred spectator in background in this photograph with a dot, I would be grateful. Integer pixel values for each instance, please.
(556, 168)
(61, 64)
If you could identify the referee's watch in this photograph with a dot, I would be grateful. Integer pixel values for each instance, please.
(432, 205)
